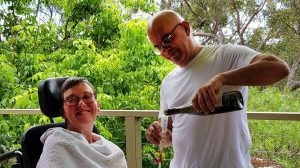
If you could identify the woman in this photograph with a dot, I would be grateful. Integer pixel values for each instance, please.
(78, 146)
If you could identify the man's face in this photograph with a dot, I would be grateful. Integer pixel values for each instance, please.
(171, 41)
(80, 107)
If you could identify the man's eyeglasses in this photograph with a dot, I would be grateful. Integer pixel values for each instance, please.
(166, 41)
(73, 100)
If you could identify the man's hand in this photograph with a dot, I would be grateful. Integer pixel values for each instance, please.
(154, 134)
(206, 99)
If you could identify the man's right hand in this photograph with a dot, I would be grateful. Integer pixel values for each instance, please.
(153, 133)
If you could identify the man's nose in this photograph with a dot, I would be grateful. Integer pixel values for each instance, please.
(165, 51)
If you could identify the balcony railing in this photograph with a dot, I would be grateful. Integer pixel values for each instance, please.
(133, 126)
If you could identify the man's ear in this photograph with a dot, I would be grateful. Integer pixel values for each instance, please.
(186, 27)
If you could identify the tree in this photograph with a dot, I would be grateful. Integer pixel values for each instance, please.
(285, 22)
(106, 42)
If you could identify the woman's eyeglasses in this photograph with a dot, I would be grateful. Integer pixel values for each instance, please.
(73, 100)
(166, 41)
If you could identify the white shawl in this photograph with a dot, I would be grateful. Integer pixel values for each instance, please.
(64, 148)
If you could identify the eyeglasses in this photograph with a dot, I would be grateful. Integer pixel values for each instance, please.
(166, 41)
(73, 100)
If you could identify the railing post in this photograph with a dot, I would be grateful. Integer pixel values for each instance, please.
(133, 142)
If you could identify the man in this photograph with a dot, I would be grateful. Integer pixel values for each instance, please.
(202, 74)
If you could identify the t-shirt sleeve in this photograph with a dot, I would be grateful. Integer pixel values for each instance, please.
(237, 56)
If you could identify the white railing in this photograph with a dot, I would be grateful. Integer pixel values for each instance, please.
(133, 126)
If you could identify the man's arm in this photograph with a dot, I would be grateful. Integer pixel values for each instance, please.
(263, 70)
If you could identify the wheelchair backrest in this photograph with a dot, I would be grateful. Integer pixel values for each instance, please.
(49, 96)
(50, 105)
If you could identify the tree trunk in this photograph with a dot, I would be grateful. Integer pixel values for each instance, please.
(292, 83)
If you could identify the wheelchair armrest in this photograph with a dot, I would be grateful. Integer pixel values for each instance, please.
(12, 154)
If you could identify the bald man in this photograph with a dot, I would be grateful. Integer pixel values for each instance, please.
(202, 74)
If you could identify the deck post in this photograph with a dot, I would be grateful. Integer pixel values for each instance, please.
(133, 142)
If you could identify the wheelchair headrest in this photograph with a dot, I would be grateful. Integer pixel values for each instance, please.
(49, 96)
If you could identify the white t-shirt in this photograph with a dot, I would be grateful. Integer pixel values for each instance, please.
(214, 141)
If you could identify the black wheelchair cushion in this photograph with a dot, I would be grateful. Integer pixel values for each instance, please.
(49, 96)
(32, 147)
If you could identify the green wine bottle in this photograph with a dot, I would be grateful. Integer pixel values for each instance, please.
(231, 101)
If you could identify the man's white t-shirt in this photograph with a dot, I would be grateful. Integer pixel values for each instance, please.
(214, 141)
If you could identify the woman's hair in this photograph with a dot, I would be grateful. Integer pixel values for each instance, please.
(73, 81)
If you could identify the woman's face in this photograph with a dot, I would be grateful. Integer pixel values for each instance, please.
(80, 108)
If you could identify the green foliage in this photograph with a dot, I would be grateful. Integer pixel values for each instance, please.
(107, 43)
(273, 99)
(7, 79)
(134, 7)
(91, 43)
(281, 30)
(278, 141)
(104, 30)
(13, 126)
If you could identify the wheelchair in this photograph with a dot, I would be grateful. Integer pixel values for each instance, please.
(50, 105)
